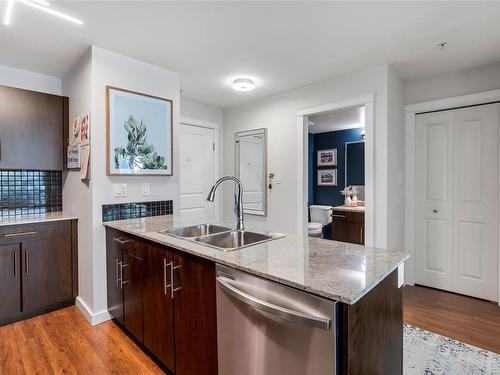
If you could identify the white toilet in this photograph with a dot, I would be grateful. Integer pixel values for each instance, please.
(320, 216)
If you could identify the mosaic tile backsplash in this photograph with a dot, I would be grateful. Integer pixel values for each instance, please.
(122, 211)
(29, 192)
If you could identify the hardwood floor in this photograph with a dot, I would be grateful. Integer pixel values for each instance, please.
(64, 342)
(470, 320)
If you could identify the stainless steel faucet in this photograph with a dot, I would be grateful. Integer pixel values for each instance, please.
(238, 201)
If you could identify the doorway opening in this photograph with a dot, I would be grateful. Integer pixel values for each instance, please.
(336, 174)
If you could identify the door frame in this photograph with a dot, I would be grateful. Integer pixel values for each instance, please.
(216, 127)
(411, 111)
(368, 101)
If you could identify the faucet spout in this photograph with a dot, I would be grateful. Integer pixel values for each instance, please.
(238, 207)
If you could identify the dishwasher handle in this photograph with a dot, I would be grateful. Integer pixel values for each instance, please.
(280, 311)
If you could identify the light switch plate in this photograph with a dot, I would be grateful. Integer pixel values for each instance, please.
(120, 190)
(277, 178)
(146, 189)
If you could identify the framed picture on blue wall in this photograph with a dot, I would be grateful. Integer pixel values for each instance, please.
(327, 158)
(139, 133)
(327, 177)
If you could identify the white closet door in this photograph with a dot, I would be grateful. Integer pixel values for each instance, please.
(434, 200)
(475, 264)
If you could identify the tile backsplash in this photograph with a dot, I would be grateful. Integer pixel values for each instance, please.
(121, 211)
(25, 192)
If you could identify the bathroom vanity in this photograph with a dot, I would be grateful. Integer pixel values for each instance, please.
(168, 293)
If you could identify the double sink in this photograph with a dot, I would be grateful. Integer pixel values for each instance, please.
(219, 237)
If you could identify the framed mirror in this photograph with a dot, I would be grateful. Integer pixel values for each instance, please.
(355, 163)
(251, 169)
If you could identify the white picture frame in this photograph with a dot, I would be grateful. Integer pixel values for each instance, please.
(327, 158)
(327, 177)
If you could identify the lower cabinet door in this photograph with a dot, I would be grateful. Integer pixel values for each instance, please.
(347, 231)
(10, 281)
(114, 259)
(47, 273)
(132, 289)
(195, 316)
(159, 306)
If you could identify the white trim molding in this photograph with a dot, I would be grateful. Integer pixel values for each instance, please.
(302, 146)
(92, 318)
(412, 110)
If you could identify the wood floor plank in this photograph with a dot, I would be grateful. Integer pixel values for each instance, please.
(463, 318)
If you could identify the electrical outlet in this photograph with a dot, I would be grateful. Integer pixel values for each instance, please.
(146, 189)
(120, 190)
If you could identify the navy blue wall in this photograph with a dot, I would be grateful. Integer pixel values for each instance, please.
(330, 195)
(310, 170)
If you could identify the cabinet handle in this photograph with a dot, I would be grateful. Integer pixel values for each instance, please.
(361, 235)
(27, 261)
(116, 271)
(165, 266)
(19, 234)
(121, 240)
(122, 266)
(339, 216)
(172, 282)
(15, 263)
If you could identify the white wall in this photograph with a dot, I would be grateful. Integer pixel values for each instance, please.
(278, 114)
(462, 82)
(395, 161)
(110, 68)
(77, 196)
(27, 80)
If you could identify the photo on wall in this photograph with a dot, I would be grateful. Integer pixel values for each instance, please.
(327, 158)
(139, 133)
(327, 177)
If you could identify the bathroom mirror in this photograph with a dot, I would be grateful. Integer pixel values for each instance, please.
(251, 169)
(355, 163)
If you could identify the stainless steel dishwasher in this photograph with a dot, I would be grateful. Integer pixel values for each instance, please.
(265, 328)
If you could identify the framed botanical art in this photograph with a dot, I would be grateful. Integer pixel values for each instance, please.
(327, 158)
(139, 133)
(327, 177)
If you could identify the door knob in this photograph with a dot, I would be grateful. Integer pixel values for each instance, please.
(435, 211)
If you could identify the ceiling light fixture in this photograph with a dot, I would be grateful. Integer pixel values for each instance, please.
(42, 5)
(243, 84)
(8, 12)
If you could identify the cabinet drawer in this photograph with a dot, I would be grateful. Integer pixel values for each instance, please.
(29, 232)
(353, 217)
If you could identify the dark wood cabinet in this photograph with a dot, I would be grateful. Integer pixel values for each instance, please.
(348, 226)
(158, 305)
(46, 272)
(38, 264)
(31, 129)
(195, 315)
(10, 286)
(167, 302)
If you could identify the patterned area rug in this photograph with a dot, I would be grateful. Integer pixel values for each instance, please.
(427, 353)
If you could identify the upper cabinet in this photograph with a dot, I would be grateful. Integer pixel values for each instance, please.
(31, 129)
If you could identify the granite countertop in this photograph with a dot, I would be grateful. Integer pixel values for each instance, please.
(350, 208)
(36, 218)
(331, 269)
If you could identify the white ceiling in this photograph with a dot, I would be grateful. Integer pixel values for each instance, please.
(341, 119)
(283, 44)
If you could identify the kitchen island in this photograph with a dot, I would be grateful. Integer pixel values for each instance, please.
(364, 281)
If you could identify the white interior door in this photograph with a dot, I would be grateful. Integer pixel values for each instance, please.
(197, 150)
(457, 182)
(475, 184)
(434, 200)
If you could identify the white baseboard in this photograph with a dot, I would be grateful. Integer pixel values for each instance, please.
(93, 318)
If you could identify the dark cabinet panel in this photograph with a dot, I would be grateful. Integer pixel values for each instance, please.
(158, 305)
(114, 261)
(195, 315)
(31, 129)
(132, 288)
(47, 273)
(10, 285)
(348, 227)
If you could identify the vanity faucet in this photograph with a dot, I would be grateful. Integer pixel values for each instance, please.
(238, 201)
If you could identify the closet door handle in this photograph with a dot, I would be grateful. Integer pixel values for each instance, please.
(435, 210)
